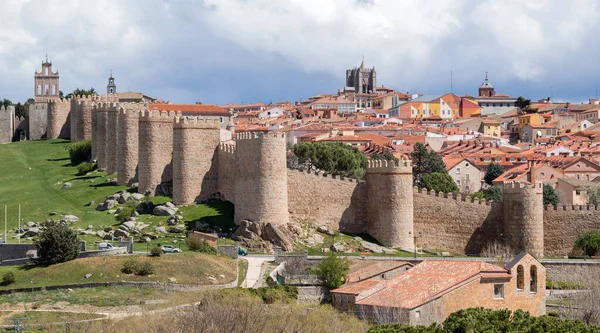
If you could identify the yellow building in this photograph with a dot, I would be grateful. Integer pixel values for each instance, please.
(491, 127)
(530, 119)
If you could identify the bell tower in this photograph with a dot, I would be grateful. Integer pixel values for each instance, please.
(111, 88)
(46, 83)
(486, 89)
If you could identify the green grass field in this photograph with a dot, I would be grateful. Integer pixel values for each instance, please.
(32, 174)
(187, 268)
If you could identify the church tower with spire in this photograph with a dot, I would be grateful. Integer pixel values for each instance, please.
(111, 88)
(362, 79)
(486, 89)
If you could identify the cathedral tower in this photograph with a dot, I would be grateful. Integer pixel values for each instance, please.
(46, 83)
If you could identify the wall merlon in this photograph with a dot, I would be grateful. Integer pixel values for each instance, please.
(259, 136)
(328, 176)
(159, 116)
(181, 122)
(227, 148)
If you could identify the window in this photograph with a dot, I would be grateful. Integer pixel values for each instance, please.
(458, 182)
(577, 192)
(458, 171)
(499, 291)
(533, 279)
(418, 314)
(467, 177)
(520, 278)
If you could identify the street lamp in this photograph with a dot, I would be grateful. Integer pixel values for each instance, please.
(415, 236)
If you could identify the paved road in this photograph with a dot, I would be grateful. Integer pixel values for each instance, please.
(254, 268)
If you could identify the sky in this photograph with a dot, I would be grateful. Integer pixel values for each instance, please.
(244, 51)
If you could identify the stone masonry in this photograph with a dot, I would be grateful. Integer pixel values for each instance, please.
(7, 118)
(99, 139)
(112, 126)
(58, 113)
(38, 120)
(128, 144)
(524, 217)
(194, 144)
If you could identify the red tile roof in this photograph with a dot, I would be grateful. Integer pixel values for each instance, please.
(365, 269)
(200, 109)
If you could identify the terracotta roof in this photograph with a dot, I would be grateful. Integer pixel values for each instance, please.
(200, 109)
(357, 288)
(428, 280)
(365, 269)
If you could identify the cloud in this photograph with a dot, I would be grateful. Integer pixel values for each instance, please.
(224, 51)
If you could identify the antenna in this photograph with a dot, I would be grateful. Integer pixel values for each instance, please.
(451, 90)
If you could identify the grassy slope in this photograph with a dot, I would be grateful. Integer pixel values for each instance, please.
(187, 268)
(39, 192)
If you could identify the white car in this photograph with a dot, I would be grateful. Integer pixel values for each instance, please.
(170, 249)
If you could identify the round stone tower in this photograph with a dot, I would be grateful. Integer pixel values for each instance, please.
(155, 149)
(390, 203)
(73, 119)
(195, 176)
(261, 178)
(112, 137)
(58, 119)
(128, 144)
(84, 118)
(523, 209)
(99, 138)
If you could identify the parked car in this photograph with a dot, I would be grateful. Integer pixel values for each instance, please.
(170, 249)
(105, 246)
(242, 252)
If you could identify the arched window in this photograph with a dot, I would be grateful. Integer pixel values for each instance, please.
(533, 279)
(520, 278)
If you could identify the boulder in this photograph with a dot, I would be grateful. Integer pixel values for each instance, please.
(337, 247)
(91, 203)
(121, 233)
(114, 197)
(66, 185)
(325, 229)
(108, 237)
(136, 196)
(176, 229)
(151, 236)
(129, 224)
(53, 213)
(245, 230)
(174, 220)
(172, 280)
(315, 239)
(273, 233)
(146, 239)
(106, 205)
(134, 185)
(71, 218)
(100, 233)
(160, 230)
(164, 210)
(31, 224)
(170, 204)
(123, 197)
(31, 232)
(145, 207)
(371, 247)
(88, 275)
(107, 229)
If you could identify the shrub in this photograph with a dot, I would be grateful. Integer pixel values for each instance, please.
(57, 243)
(155, 251)
(81, 152)
(127, 210)
(145, 269)
(130, 266)
(276, 294)
(86, 167)
(333, 270)
(439, 182)
(198, 244)
(8, 278)
(477, 195)
(564, 285)
(589, 242)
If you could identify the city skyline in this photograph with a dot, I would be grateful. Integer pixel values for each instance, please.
(536, 49)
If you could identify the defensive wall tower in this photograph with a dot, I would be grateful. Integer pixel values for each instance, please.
(261, 189)
(523, 208)
(195, 176)
(390, 203)
(99, 136)
(73, 119)
(128, 144)
(38, 120)
(58, 119)
(226, 163)
(7, 124)
(155, 149)
(112, 137)
(84, 118)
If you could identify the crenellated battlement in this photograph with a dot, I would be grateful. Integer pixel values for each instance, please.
(128, 113)
(572, 207)
(323, 175)
(59, 102)
(385, 166)
(7, 108)
(134, 106)
(519, 188)
(227, 148)
(452, 196)
(258, 135)
(195, 122)
(158, 116)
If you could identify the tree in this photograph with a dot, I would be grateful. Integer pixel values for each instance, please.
(6, 103)
(550, 197)
(589, 242)
(494, 193)
(593, 195)
(57, 243)
(439, 182)
(82, 92)
(424, 162)
(388, 156)
(494, 171)
(331, 157)
(333, 270)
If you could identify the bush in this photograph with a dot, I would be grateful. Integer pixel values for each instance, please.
(155, 251)
(477, 195)
(333, 270)
(127, 210)
(276, 294)
(589, 242)
(57, 243)
(86, 167)
(130, 266)
(439, 182)
(563, 285)
(81, 152)
(145, 269)
(8, 278)
(198, 244)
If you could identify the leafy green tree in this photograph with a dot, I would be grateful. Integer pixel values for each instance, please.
(333, 270)
(57, 243)
(82, 92)
(494, 193)
(477, 195)
(424, 162)
(388, 156)
(589, 242)
(331, 157)
(550, 197)
(439, 182)
(494, 171)
(6, 102)
(593, 195)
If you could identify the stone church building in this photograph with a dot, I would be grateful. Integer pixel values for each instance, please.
(362, 79)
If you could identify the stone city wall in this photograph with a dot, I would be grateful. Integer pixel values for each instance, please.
(155, 149)
(128, 144)
(73, 120)
(38, 120)
(327, 199)
(226, 181)
(7, 121)
(563, 224)
(195, 175)
(21, 126)
(99, 139)
(523, 207)
(451, 222)
(112, 137)
(84, 118)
